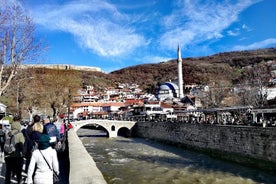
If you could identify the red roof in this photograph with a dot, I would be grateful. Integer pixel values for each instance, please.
(134, 101)
(98, 104)
(165, 105)
(100, 113)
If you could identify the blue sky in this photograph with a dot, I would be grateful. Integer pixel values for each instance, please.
(114, 34)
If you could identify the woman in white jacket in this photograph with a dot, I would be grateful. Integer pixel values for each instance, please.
(38, 166)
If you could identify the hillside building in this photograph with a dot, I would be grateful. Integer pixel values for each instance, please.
(3, 108)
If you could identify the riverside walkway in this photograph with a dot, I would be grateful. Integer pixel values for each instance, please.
(63, 164)
(76, 165)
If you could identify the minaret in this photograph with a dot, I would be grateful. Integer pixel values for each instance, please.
(180, 77)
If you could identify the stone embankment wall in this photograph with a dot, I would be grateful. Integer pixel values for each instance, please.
(253, 146)
(83, 169)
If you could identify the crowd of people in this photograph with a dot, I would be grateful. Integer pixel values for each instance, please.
(35, 151)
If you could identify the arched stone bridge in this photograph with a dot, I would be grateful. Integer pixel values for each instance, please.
(111, 126)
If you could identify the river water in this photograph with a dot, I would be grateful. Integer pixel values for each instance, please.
(141, 161)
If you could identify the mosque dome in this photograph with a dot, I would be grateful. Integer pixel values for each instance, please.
(169, 86)
(167, 90)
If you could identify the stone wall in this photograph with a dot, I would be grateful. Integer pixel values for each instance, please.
(83, 169)
(255, 146)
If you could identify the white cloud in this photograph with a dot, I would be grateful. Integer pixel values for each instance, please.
(232, 33)
(96, 25)
(237, 31)
(245, 27)
(257, 45)
(105, 30)
(196, 22)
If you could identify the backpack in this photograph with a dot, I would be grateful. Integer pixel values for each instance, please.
(9, 145)
(29, 145)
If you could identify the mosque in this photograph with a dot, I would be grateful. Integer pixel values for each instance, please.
(170, 90)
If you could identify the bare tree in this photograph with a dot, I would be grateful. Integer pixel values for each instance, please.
(17, 43)
(218, 89)
(29, 96)
(58, 87)
(42, 90)
(21, 96)
(254, 83)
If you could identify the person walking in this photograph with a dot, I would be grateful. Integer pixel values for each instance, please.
(14, 160)
(32, 134)
(51, 130)
(37, 128)
(62, 130)
(2, 141)
(43, 163)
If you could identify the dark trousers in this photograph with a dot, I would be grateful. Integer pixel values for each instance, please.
(27, 163)
(2, 146)
(13, 164)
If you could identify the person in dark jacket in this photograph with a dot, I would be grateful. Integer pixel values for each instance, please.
(51, 130)
(2, 140)
(14, 161)
(32, 134)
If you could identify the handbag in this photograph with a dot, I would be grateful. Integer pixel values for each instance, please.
(60, 146)
(55, 176)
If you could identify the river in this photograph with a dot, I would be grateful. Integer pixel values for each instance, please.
(142, 161)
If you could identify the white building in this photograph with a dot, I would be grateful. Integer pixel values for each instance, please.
(3, 108)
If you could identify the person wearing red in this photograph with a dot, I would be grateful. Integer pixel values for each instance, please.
(69, 126)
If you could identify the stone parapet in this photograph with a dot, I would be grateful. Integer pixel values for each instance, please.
(254, 146)
(83, 169)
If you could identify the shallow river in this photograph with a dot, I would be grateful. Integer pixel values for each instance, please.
(142, 161)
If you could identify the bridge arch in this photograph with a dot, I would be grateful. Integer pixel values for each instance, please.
(125, 132)
(113, 127)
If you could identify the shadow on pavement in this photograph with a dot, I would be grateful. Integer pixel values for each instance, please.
(64, 165)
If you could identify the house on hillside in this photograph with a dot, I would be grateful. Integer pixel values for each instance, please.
(130, 102)
(112, 106)
(113, 109)
(86, 95)
(3, 108)
(93, 109)
(168, 108)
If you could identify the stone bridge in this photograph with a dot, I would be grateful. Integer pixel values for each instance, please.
(111, 126)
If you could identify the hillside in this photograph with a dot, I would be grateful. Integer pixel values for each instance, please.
(223, 68)
(202, 70)
(220, 71)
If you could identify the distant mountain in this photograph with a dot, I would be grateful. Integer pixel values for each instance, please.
(200, 70)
